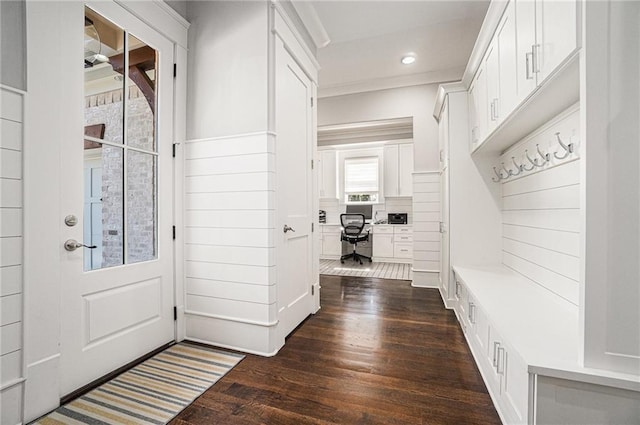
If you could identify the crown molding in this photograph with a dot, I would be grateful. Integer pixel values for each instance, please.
(443, 90)
(488, 28)
(312, 22)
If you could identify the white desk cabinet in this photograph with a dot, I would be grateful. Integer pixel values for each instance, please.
(393, 243)
(330, 243)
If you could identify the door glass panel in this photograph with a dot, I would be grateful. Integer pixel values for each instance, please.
(141, 207)
(103, 207)
(104, 82)
(141, 97)
(120, 159)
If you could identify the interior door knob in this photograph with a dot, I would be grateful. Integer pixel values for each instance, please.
(287, 228)
(72, 245)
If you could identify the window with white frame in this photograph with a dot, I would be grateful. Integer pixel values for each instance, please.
(361, 183)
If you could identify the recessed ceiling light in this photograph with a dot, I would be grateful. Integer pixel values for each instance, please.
(408, 60)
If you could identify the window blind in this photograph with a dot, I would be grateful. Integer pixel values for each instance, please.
(361, 175)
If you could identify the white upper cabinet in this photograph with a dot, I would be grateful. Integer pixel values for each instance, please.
(478, 114)
(525, 11)
(327, 176)
(556, 31)
(506, 39)
(492, 69)
(398, 169)
(532, 40)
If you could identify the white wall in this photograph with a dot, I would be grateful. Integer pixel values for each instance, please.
(541, 210)
(11, 258)
(416, 102)
(228, 68)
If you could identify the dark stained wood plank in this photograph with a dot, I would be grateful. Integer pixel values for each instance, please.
(378, 352)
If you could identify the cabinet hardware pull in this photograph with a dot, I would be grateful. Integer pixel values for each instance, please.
(535, 51)
(528, 59)
(501, 361)
(492, 114)
(496, 108)
(496, 345)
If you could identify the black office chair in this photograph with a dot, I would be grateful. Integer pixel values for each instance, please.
(352, 232)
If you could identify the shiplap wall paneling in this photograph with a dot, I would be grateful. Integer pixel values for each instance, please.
(541, 210)
(229, 248)
(426, 219)
(11, 256)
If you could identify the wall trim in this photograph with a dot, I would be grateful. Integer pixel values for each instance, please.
(232, 319)
(12, 384)
(443, 91)
(232, 347)
(232, 136)
(425, 279)
(13, 89)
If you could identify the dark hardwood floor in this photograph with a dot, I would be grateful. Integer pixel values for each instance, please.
(378, 352)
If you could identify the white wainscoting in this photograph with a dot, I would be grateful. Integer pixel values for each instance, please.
(541, 210)
(426, 229)
(229, 221)
(11, 255)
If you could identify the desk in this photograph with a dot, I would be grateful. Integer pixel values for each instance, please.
(391, 243)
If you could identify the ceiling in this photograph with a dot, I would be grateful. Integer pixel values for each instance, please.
(368, 39)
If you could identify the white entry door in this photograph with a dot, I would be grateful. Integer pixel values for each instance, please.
(117, 305)
(294, 129)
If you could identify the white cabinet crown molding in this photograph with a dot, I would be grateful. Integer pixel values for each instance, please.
(489, 26)
(443, 90)
(312, 22)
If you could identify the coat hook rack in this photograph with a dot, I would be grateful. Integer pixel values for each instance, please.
(546, 157)
(568, 149)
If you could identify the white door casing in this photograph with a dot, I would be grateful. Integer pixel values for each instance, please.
(114, 315)
(294, 152)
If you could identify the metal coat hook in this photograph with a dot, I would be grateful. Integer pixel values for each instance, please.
(509, 172)
(533, 162)
(498, 174)
(568, 149)
(518, 167)
(545, 156)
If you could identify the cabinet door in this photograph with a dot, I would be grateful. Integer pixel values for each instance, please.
(473, 115)
(506, 36)
(525, 12)
(383, 246)
(481, 103)
(329, 175)
(493, 355)
(492, 68)
(556, 31)
(405, 170)
(515, 385)
(331, 244)
(391, 183)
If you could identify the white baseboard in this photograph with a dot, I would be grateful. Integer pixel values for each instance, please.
(239, 336)
(425, 279)
(11, 404)
(42, 387)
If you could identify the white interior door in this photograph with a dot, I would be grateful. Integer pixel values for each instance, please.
(294, 149)
(121, 307)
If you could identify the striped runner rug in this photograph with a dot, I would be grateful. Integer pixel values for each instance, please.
(153, 392)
